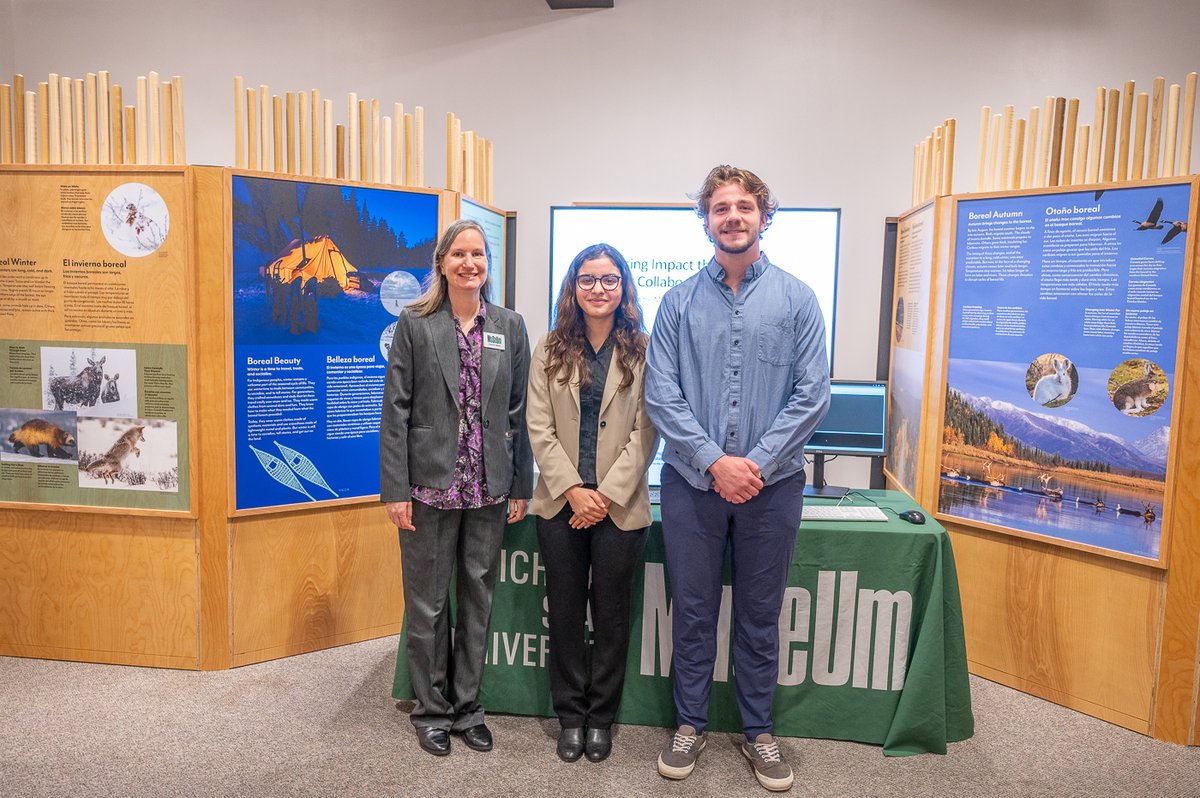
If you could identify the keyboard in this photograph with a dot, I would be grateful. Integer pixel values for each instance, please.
(841, 512)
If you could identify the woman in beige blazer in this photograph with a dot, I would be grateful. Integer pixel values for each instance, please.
(592, 442)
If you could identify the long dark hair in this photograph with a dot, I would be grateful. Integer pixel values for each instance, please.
(566, 342)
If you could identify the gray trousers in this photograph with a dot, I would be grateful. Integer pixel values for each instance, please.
(446, 670)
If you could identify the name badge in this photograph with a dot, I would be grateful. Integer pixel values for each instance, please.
(493, 340)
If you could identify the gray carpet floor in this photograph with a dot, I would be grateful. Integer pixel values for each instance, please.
(324, 724)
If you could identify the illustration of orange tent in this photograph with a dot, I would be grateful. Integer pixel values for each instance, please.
(324, 260)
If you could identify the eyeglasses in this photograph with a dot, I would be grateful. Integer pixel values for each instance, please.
(609, 282)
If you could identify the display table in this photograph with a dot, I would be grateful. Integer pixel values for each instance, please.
(871, 637)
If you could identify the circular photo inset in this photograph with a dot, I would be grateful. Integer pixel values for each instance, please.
(1138, 387)
(398, 290)
(135, 219)
(1051, 379)
(385, 339)
(899, 319)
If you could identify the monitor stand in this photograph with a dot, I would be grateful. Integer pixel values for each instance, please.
(817, 486)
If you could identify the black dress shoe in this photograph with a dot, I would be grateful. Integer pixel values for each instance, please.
(598, 744)
(570, 744)
(478, 738)
(435, 741)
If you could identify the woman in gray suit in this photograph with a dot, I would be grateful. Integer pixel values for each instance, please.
(455, 466)
(593, 441)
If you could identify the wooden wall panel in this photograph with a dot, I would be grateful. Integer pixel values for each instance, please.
(303, 581)
(99, 588)
(1075, 628)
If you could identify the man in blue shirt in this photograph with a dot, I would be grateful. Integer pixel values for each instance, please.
(737, 380)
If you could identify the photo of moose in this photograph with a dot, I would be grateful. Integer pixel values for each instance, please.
(88, 380)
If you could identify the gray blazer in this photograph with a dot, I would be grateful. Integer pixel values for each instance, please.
(418, 430)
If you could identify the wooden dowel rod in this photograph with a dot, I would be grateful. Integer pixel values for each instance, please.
(419, 146)
(317, 109)
(451, 149)
(376, 143)
(1110, 134)
(327, 141)
(180, 121)
(408, 150)
(341, 151)
(239, 122)
(154, 118)
(352, 136)
(29, 110)
(1006, 134)
(1093, 172)
(1121, 171)
(103, 123)
(168, 117)
(398, 143)
(935, 185)
(53, 119)
(265, 134)
(141, 140)
(19, 118)
(6, 128)
(1056, 136)
(1081, 153)
(491, 173)
(1171, 130)
(1068, 156)
(1185, 135)
(385, 169)
(1043, 162)
(78, 121)
(279, 162)
(985, 121)
(43, 121)
(947, 168)
(305, 133)
(66, 118)
(1138, 165)
(290, 132)
(994, 152)
(364, 140)
(252, 128)
(1018, 155)
(1031, 133)
(116, 121)
(130, 128)
(1153, 168)
(90, 111)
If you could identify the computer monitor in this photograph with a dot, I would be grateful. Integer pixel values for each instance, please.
(855, 425)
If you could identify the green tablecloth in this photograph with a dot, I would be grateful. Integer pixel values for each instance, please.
(871, 638)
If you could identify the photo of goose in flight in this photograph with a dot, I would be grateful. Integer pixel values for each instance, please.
(1151, 222)
(1175, 229)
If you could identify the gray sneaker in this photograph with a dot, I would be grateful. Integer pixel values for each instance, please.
(769, 768)
(678, 758)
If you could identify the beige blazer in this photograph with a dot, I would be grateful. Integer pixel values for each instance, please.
(625, 442)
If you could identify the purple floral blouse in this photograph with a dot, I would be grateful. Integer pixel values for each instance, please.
(468, 486)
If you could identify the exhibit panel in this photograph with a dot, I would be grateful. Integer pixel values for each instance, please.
(96, 461)
(918, 300)
(1079, 579)
(94, 356)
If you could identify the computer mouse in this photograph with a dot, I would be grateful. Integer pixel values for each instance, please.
(912, 516)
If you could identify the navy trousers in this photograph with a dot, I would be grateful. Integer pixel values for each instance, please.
(760, 535)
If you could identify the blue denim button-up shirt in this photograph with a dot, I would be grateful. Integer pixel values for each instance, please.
(743, 375)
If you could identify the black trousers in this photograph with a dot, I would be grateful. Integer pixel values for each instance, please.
(583, 698)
